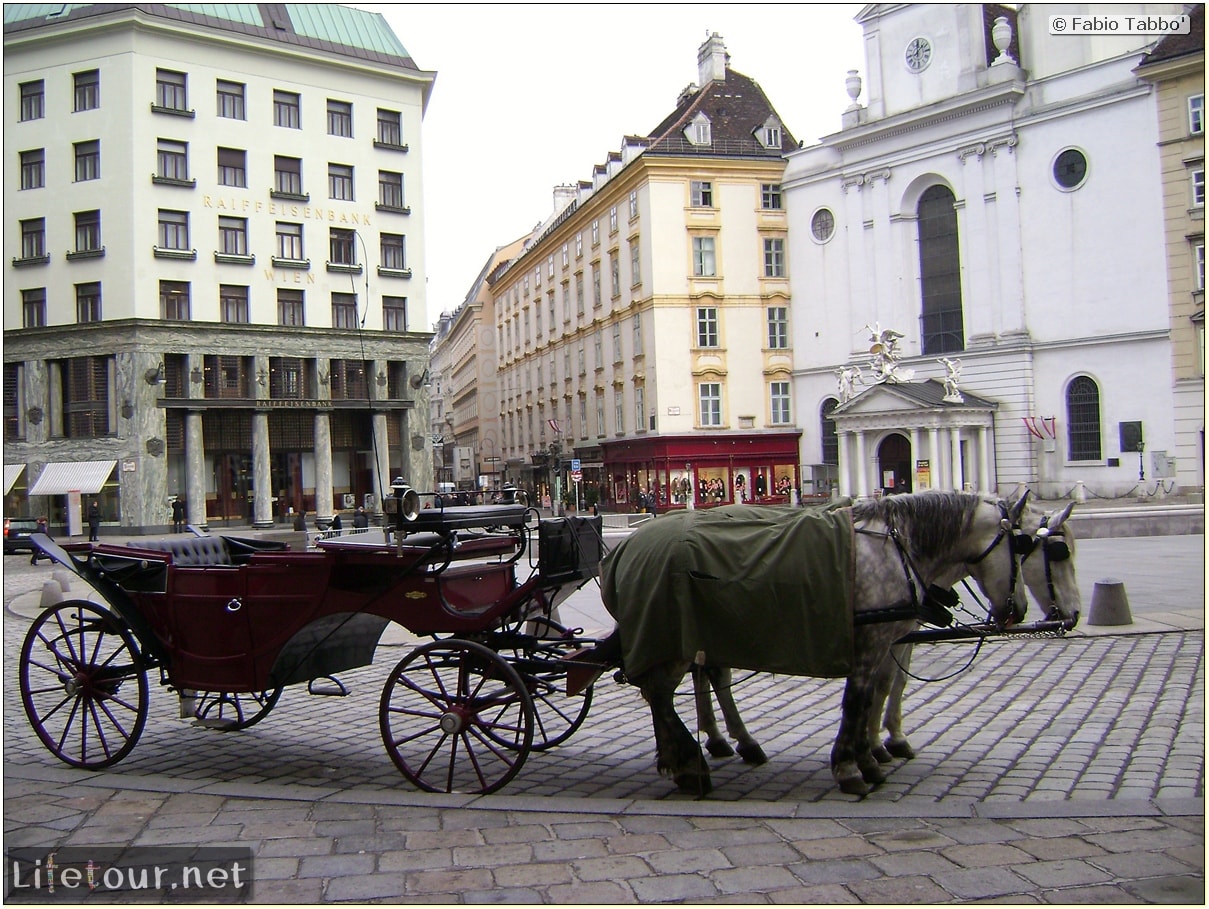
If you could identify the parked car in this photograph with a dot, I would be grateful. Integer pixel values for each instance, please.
(16, 534)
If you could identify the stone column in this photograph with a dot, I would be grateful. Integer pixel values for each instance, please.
(937, 480)
(195, 469)
(916, 442)
(862, 468)
(324, 498)
(262, 474)
(958, 479)
(986, 482)
(382, 476)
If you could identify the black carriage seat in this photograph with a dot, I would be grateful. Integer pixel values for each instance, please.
(191, 552)
(467, 517)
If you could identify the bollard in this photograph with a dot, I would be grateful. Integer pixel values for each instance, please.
(52, 593)
(63, 577)
(1109, 604)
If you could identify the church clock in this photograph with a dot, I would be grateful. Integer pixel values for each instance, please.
(918, 54)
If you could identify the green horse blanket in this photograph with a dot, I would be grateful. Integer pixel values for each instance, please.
(765, 588)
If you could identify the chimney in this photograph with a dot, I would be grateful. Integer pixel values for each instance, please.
(711, 60)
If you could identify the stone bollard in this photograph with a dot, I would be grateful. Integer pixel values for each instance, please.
(1109, 604)
(52, 593)
(63, 577)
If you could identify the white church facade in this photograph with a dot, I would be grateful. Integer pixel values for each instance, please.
(977, 259)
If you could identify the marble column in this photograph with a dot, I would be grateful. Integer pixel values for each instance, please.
(843, 484)
(195, 469)
(324, 498)
(862, 468)
(382, 476)
(986, 484)
(937, 480)
(958, 479)
(262, 474)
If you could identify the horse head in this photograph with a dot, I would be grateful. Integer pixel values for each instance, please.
(1047, 545)
(997, 567)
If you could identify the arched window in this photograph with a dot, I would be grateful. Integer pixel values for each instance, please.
(831, 442)
(941, 326)
(1083, 419)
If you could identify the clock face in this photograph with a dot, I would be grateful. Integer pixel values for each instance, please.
(918, 54)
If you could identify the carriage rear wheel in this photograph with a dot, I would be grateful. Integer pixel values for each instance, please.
(83, 684)
(232, 710)
(445, 710)
(538, 659)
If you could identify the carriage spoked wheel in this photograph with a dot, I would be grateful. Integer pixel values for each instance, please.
(83, 684)
(228, 711)
(538, 660)
(446, 708)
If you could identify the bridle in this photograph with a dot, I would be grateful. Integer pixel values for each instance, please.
(1019, 545)
(1053, 550)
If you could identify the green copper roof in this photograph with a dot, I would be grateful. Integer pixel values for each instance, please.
(345, 25)
(247, 13)
(23, 12)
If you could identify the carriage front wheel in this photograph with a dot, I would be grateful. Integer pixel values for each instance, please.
(83, 684)
(445, 709)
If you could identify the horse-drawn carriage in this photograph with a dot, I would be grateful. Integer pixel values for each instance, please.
(228, 622)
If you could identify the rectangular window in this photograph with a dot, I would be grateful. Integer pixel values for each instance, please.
(33, 238)
(174, 301)
(339, 118)
(340, 182)
(774, 257)
(88, 160)
(637, 334)
(579, 294)
(232, 167)
(770, 195)
(88, 230)
(88, 302)
(616, 342)
(32, 100)
(600, 421)
(233, 236)
(771, 136)
(613, 220)
(579, 245)
(233, 303)
(343, 248)
(390, 127)
(33, 168)
(394, 251)
(33, 307)
(704, 260)
(1198, 187)
(172, 159)
(618, 411)
(596, 232)
(289, 241)
(779, 402)
(170, 90)
(639, 408)
(287, 175)
(702, 194)
(635, 265)
(344, 310)
(289, 308)
(173, 229)
(709, 394)
(596, 298)
(1198, 266)
(778, 327)
(633, 204)
(287, 109)
(615, 273)
(1196, 114)
(390, 189)
(231, 100)
(707, 326)
(581, 362)
(86, 397)
(394, 313)
(566, 256)
(87, 89)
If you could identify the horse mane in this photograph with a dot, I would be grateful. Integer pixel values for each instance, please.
(930, 523)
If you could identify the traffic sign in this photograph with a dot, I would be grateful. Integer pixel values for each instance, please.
(576, 467)
(577, 476)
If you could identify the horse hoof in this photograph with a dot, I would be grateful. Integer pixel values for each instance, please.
(753, 754)
(720, 748)
(901, 749)
(854, 785)
(873, 775)
(882, 755)
(694, 784)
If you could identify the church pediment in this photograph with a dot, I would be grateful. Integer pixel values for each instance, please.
(926, 396)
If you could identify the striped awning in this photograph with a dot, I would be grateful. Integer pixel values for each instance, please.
(11, 472)
(61, 477)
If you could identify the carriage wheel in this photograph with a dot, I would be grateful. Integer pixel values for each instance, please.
(232, 710)
(555, 714)
(445, 710)
(83, 684)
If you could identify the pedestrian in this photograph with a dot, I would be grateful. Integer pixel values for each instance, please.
(178, 515)
(94, 522)
(337, 524)
(43, 526)
(300, 521)
(360, 518)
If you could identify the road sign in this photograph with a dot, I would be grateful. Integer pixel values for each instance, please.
(577, 476)
(576, 467)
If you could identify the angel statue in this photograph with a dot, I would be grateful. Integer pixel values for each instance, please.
(886, 355)
(953, 374)
(848, 377)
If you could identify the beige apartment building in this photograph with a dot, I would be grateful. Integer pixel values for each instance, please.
(643, 334)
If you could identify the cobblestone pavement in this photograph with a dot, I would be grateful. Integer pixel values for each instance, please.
(1052, 770)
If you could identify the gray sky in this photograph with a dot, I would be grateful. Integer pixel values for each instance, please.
(527, 97)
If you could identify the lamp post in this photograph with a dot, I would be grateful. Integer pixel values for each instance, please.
(1141, 464)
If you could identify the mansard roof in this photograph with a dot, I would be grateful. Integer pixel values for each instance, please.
(1173, 46)
(736, 108)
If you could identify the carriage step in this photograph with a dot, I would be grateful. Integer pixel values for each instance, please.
(336, 688)
(587, 664)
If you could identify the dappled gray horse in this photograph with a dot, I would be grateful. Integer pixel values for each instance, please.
(902, 545)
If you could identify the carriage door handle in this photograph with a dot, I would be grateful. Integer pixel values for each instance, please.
(235, 605)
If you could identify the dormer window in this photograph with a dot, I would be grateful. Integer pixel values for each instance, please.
(698, 131)
(769, 133)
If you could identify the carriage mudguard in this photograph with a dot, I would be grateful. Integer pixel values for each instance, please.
(766, 588)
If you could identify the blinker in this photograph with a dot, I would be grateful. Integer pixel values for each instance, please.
(1056, 550)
